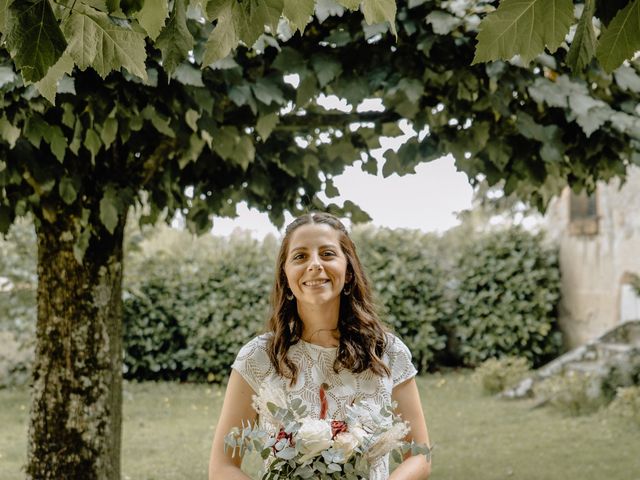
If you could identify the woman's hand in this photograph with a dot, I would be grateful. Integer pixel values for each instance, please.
(235, 409)
(409, 407)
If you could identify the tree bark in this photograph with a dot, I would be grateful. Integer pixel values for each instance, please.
(76, 396)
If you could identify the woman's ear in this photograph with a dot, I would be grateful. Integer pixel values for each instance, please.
(349, 276)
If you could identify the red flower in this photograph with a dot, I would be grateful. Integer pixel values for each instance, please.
(338, 426)
(282, 434)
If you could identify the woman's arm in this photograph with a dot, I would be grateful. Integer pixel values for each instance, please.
(235, 409)
(410, 409)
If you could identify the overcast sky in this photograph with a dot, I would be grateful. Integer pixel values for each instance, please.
(426, 200)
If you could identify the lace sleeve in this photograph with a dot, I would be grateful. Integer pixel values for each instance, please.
(400, 361)
(252, 362)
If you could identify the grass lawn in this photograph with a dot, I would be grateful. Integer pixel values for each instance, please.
(168, 429)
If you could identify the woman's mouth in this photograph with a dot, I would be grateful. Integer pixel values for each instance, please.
(315, 283)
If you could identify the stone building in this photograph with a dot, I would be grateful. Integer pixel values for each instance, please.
(599, 241)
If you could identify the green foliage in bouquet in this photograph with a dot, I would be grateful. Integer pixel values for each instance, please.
(507, 293)
(318, 448)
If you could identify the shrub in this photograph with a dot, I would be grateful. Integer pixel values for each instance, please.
(496, 375)
(626, 404)
(188, 311)
(572, 392)
(409, 284)
(507, 291)
(623, 372)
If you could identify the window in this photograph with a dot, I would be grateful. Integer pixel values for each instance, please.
(583, 213)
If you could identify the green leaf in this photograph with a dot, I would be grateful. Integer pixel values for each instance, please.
(583, 47)
(267, 91)
(67, 190)
(109, 132)
(4, 13)
(152, 16)
(175, 40)
(306, 90)
(266, 124)
(96, 40)
(222, 40)
(326, 68)
(109, 210)
(92, 142)
(251, 16)
(298, 12)
(34, 39)
(48, 85)
(350, 4)
(159, 121)
(8, 132)
(523, 27)
(191, 117)
(621, 39)
(330, 189)
(188, 75)
(81, 244)
(57, 142)
(378, 11)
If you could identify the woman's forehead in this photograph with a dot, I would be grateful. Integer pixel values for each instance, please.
(314, 235)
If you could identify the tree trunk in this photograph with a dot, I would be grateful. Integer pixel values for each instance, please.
(76, 397)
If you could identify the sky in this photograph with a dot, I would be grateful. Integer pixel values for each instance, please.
(427, 200)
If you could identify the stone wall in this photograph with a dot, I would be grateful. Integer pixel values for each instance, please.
(596, 268)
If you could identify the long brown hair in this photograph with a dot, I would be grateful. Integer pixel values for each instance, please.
(362, 336)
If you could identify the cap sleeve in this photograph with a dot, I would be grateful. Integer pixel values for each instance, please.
(399, 360)
(253, 363)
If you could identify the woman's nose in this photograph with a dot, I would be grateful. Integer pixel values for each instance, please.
(314, 262)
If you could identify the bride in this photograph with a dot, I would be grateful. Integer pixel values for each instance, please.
(323, 334)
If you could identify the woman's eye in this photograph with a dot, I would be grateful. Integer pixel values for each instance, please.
(328, 253)
(298, 256)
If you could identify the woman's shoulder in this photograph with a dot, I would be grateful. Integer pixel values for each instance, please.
(399, 359)
(255, 345)
(395, 345)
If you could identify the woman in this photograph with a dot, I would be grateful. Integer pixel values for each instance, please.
(323, 332)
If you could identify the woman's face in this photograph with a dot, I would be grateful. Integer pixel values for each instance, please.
(316, 267)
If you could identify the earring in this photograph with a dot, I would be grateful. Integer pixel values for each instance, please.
(347, 290)
(289, 295)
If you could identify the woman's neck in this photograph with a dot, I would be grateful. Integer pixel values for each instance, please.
(320, 324)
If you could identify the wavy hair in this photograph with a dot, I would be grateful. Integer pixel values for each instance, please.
(363, 338)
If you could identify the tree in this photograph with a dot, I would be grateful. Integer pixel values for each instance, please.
(608, 31)
(179, 125)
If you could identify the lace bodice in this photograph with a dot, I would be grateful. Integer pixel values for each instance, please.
(315, 367)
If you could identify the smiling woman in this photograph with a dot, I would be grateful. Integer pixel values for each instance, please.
(325, 347)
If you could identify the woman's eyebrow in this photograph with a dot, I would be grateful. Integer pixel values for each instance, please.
(328, 245)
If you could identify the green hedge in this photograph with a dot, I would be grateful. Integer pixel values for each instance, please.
(190, 304)
(186, 314)
(408, 279)
(506, 297)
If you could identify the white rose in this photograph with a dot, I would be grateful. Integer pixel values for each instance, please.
(314, 436)
(345, 443)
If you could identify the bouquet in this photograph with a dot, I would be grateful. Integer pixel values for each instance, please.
(302, 447)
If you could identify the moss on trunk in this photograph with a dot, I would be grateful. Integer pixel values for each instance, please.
(76, 409)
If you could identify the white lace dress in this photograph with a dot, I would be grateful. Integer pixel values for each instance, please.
(315, 364)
